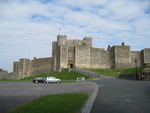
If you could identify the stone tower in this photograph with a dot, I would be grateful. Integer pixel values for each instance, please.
(73, 53)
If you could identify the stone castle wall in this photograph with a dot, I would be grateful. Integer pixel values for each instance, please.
(122, 56)
(105, 60)
(63, 56)
(80, 54)
(71, 54)
(99, 58)
(146, 56)
(42, 66)
(136, 55)
(26, 67)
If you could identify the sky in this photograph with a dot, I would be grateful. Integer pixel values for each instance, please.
(28, 27)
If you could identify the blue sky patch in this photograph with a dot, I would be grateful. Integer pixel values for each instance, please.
(39, 18)
(147, 11)
(47, 1)
(76, 9)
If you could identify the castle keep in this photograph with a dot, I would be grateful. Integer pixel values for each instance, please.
(80, 54)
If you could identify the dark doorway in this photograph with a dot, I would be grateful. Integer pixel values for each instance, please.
(71, 65)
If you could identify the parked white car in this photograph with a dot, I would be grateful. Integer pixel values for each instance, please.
(51, 80)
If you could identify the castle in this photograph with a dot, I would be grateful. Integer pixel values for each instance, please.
(80, 54)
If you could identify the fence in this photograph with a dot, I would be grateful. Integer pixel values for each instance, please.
(141, 76)
(80, 79)
(128, 76)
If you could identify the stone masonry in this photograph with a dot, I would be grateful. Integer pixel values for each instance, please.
(80, 54)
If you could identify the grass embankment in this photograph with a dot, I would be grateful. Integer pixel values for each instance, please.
(64, 103)
(132, 70)
(116, 72)
(64, 75)
(107, 72)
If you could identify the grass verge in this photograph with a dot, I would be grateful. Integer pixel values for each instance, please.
(61, 103)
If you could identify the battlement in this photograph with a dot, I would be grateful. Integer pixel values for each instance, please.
(3, 71)
(74, 42)
(62, 40)
(42, 58)
(122, 45)
(87, 41)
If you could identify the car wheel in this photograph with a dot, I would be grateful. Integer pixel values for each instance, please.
(58, 81)
(47, 82)
(36, 81)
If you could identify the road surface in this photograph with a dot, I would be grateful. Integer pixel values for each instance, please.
(122, 96)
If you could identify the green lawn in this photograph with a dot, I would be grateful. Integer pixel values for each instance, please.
(61, 103)
(64, 75)
(107, 72)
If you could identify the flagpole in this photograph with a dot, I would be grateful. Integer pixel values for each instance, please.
(59, 31)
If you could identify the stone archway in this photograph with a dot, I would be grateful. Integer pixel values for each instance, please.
(71, 65)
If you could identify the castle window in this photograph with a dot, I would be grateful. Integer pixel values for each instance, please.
(70, 54)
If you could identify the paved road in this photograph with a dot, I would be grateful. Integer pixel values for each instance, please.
(114, 95)
(13, 94)
(122, 96)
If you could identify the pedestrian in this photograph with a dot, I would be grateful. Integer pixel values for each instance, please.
(142, 77)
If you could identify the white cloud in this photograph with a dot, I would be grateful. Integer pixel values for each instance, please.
(28, 27)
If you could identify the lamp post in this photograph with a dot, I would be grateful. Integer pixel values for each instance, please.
(136, 69)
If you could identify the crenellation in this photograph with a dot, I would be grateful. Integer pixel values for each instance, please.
(87, 41)
(62, 40)
(109, 48)
(4, 75)
(77, 42)
(70, 43)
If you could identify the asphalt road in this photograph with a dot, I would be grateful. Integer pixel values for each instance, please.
(13, 94)
(122, 96)
(114, 95)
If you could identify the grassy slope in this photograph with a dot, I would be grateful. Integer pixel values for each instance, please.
(64, 103)
(115, 72)
(132, 70)
(108, 72)
(112, 74)
(64, 75)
